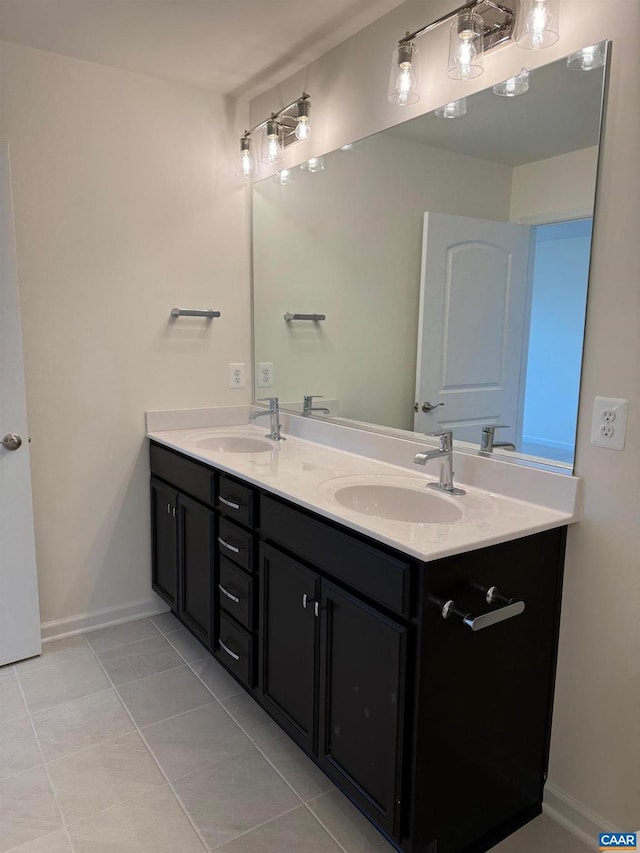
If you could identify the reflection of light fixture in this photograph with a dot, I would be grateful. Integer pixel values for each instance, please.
(472, 34)
(539, 24)
(288, 125)
(454, 109)
(517, 85)
(283, 176)
(246, 166)
(347, 147)
(588, 58)
(313, 164)
(465, 46)
(405, 75)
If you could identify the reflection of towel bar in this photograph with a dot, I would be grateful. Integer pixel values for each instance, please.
(188, 312)
(315, 317)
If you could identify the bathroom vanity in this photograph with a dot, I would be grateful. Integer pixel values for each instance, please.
(417, 674)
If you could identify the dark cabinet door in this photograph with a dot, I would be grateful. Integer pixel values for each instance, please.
(289, 624)
(362, 677)
(196, 562)
(164, 542)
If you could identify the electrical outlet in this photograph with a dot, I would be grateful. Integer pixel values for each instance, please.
(609, 422)
(237, 377)
(265, 374)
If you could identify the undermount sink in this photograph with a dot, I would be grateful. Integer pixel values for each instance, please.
(234, 444)
(398, 503)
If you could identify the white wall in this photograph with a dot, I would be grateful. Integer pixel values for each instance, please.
(364, 354)
(125, 205)
(596, 736)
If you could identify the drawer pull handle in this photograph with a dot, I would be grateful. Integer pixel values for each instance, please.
(228, 546)
(230, 595)
(477, 623)
(229, 503)
(228, 651)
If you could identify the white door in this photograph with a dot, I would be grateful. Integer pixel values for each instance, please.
(19, 609)
(474, 301)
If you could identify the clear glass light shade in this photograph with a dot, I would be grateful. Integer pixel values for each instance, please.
(405, 75)
(454, 109)
(588, 58)
(272, 143)
(247, 165)
(538, 24)
(314, 164)
(303, 129)
(514, 86)
(283, 177)
(466, 47)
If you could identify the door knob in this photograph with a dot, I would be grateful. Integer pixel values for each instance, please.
(428, 407)
(11, 441)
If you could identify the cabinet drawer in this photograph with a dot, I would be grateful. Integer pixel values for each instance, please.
(363, 567)
(186, 475)
(235, 650)
(235, 501)
(236, 593)
(236, 544)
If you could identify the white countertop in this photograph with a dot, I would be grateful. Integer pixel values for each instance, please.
(308, 473)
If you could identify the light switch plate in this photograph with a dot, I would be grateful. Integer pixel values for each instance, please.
(609, 422)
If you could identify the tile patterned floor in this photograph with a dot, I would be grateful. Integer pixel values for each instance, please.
(133, 739)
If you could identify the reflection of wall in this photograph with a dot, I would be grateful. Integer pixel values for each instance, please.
(560, 187)
(368, 205)
(596, 733)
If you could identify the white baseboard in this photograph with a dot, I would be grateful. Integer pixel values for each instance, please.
(575, 817)
(73, 625)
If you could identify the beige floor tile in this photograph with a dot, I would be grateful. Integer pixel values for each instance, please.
(11, 701)
(60, 682)
(165, 695)
(234, 796)
(96, 779)
(27, 808)
(296, 767)
(197, 739)
(541, 835)
(295, 832)
(246, 711)
(6, 670)
(56, 842)
(348, 825)
(61, 651)
(80, 724)
(120, 635)
(186, 644)
(166, 622)
(154, 823)
(18, 747)
(138, 660)
(217, 679)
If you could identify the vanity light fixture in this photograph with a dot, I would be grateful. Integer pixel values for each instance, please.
(283, 177)
(313, 164)
(514, 86)
(588, 58)
(454, 109)
(538, 24)
(476, 27)
(290, 124)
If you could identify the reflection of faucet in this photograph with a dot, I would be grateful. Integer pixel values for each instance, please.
(308, 407)
(274, 414)
(445, 453)
(487, 442)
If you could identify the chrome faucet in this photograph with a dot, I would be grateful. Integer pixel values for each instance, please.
(444, 453)
(487, 439)
(274, 414)
(308, 407)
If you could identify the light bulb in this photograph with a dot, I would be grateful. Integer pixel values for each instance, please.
(272, 143)
(274, 151)
(405, 83)
(303, 128)
(540, 24)
(405, 75)
(246, 165)
(538, 20)
(466, 46)
(283, 176)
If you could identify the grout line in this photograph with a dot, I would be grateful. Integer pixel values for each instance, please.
(46, 770)
(59, 704)
(126, 646)
(143, 678)
(144, 740)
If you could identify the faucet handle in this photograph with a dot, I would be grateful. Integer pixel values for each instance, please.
(445, 438)
(273, 402)
(492, 427)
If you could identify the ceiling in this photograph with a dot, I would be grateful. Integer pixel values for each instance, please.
(232, 47)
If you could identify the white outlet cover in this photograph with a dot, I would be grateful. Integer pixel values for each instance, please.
(616, 426)
(265, 374)
(237, 378)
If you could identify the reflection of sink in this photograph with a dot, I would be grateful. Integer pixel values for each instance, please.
(234, 444)
(398, 503)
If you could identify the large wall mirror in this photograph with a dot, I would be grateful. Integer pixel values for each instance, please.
(435, 275)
